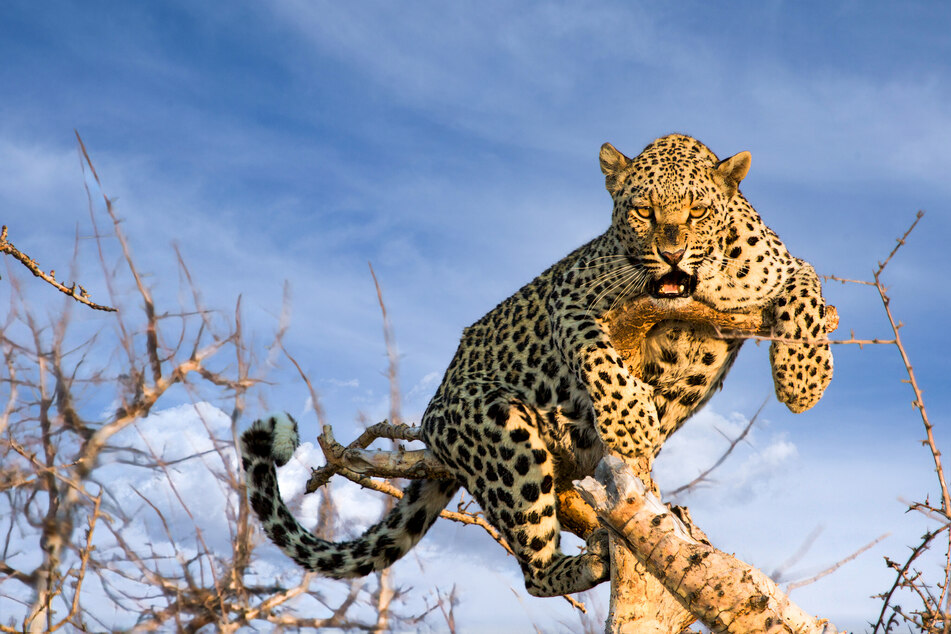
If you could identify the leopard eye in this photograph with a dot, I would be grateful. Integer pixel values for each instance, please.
(643, 211)
(698, 212)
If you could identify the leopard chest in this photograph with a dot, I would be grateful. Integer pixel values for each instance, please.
(685, 364)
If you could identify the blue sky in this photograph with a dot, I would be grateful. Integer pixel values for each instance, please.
(455, 147)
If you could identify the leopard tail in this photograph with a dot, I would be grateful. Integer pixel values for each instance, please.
(271, 441)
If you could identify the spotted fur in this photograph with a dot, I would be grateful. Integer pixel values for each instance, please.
(536, 392)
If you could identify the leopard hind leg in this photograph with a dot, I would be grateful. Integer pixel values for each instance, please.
(491, 442)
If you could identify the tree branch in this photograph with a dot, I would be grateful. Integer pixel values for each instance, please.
(725, 593)
(81, 296)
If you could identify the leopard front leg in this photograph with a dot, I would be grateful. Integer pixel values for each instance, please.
(625, 416)
(801, 371)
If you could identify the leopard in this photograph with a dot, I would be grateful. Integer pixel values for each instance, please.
(537, 393)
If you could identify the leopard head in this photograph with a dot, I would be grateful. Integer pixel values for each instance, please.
(679, 214)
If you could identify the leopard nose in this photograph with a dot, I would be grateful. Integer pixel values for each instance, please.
(672, 258)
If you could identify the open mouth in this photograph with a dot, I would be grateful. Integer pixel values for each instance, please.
(673, 284)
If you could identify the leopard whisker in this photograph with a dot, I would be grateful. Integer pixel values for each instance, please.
(624, 293)
(626, 273)
(605, 260)
(610, 274)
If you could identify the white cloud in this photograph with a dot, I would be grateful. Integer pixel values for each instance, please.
(754, 463)
(31, 168)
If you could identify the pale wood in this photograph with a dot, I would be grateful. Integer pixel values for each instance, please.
(629, 323)
(724, 593)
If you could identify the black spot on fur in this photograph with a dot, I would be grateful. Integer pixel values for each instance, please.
(278, 535)
(690, 398)
(391, 554)
(505, 497)
(414, 491)
(507, 478)
(696, 379)
(394, 519)
(530, 491)
(518, 435)
(522, 465)
(547, 483)
(498, 413)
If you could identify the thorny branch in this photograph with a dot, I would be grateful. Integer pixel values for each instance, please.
(828, 571)
(934, 615)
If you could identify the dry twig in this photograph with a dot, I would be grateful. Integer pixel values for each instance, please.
(74, 290)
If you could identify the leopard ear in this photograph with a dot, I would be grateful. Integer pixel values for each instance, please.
(733, 170)
(613, 164)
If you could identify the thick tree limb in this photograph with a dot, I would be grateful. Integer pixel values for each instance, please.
(726, 594)
(631, 322)
(398, 463)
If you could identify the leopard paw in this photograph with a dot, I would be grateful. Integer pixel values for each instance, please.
(801, 371)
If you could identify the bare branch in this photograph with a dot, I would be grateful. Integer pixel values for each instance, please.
(836, 565)
(919, 402)
(74, 290)
(901, 243)
(398, 463)
(733, 443)
(151, 332)
(391, 353)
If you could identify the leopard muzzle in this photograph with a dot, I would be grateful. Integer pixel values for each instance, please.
(673, 284)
